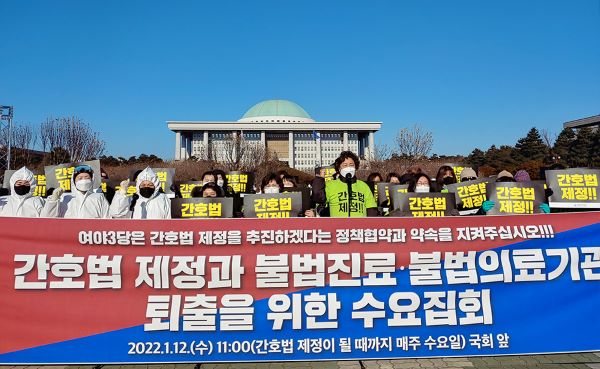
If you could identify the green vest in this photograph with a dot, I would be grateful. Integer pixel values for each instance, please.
(336, 192)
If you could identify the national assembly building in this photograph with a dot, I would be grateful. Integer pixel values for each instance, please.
(283, 128)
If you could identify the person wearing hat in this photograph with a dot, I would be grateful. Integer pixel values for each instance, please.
(21, 202)
(83, 202)
(147, 203)
(468, 174)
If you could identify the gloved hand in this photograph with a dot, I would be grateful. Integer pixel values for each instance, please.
(56, 194)
(545, 208)
(487, 205)
(123, 187)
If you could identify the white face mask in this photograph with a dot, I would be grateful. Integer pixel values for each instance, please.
(84, 185)
(347, 170)
(422, 189)
(220, 182)
(271, 189)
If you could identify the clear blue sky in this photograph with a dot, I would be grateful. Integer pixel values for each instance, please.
(475, 73)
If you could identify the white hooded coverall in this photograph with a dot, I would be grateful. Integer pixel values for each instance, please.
(158, 206)
(21, 205)
(78, 205)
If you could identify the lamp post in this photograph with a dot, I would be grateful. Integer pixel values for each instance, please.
(6, 114)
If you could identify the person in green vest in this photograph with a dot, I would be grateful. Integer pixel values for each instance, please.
(345, 196)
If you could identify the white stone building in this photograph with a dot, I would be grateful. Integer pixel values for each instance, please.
(280, 126)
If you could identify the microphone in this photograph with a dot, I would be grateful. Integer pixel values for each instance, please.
(349, 176)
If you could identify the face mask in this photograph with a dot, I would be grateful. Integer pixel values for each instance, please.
(347, 170)
(448, 180)
(84, 185)
(422, 189)
(271, 189)
(22, 190)
(220, 183)
(146, 192)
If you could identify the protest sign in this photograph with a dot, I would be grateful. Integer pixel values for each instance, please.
(280, 205)
(515, 197)
(574, 188)
(202, 207)
(240, 182)
(60, 175)
(231, 290)
(430, 204)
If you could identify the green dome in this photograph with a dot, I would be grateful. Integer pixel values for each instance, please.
(276, 108)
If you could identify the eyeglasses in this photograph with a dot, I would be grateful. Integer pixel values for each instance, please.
(468, 179)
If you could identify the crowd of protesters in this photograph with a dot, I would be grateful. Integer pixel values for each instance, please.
(343, 195)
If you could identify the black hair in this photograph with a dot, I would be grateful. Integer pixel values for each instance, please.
(439, 178)
(208, 173)
(343, 156)
(199, 191)
(413, 185)
(289, 178)
(271, 177)
(372, 176)
(392, 174)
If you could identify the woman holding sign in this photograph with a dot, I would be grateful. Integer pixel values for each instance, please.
(21, 202)
(83, 202)
(147, 203)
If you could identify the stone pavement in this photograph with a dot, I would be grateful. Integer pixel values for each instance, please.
(555, 361)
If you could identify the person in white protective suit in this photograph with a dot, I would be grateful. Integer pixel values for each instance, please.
(21, 202)
(147, 203)
(82, 203)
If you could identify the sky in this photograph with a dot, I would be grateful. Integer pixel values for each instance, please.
(474, 73)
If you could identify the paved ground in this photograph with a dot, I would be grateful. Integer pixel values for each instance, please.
(558, 361)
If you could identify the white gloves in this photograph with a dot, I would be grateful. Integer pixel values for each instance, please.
(56, 194)
(124, 185)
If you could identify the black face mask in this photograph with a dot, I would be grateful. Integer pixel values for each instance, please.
(22, 190)
(146, 192)
(448, 180)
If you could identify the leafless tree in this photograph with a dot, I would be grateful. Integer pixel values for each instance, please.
(412, 144)
(238, 153)
(73, 135)
(548, 137)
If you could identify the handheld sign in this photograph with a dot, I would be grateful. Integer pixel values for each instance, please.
(574, 188)
(470, 194)
(327, 172)
(279, 205)
(429, 204)
(395, 188)
(40, 178)
(515, 197)
(240, 182)
(186, 188)
(165, 176)
(202, 207)
(304, 191)
(60, 175)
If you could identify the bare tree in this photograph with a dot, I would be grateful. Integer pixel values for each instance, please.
(548, 137)
(412, 144)
(238, 153)
(73, 135)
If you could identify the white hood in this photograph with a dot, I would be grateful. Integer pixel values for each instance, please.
(147, 175)
(23, 174)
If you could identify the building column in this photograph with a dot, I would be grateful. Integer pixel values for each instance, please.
(371, 146)
(318, 144)
(345, 140)
(177, 145)
(263, 138)
(291, 149)
(205, 145)
(188, 146)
